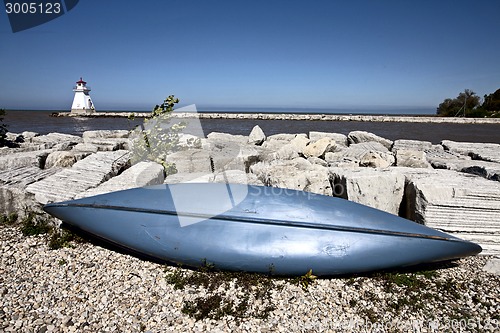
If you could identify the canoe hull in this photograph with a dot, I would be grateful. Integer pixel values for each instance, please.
(263, 232)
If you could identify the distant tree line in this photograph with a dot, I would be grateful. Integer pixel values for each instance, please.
(468, 104)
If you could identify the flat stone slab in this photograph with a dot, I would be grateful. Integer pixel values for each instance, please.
(24, 159)
(403, 144)
(457, 203)
(362, 136)
(138, 175)
(339, 139)
(13, 197)
(479, 151)
(23, 176)
(83, 175)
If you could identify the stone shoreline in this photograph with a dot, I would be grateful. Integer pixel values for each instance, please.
(452, 186)
(291, 116)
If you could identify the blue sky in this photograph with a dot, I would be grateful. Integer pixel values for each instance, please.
(281, 53)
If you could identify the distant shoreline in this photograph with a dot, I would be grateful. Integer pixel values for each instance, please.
(293, 116)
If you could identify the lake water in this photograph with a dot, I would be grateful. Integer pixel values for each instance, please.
(41, 122)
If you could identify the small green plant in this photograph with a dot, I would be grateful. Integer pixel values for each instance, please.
(305, 280)
(35, 224)
(10, 219)
(62, 262)
(156, 139)
(251, 296)
(59, 238)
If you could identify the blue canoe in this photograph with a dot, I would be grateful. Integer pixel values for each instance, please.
(258, 229)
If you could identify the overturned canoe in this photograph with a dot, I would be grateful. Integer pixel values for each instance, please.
(258, 229)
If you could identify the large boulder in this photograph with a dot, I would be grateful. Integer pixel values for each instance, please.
(319, 148)
(53, 139)
(64, 159)
(107, 140)
(367, 154)
(35, 158)
(13, 197)
(225, 137)
(276, 141)
(105, 134)
(478, 151)
(411, 158)
(231, 156)
(228, 176)
(444, 159)
(191, 161)
(138, 175)
(340, 139)
(257, 136)
(362, 136)
(300, 142)
(83, 175)
(461, 204)
(381, 189)
(296, 174)
(413, 145)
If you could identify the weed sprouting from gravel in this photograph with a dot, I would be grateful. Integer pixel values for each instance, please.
(237, 294)
(34, 223)
(9, 219)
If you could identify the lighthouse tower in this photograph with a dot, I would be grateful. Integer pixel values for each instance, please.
(82, 103)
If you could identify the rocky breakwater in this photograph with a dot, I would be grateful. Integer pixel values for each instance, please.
(451, 186)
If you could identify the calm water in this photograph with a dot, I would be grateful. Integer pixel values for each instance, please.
(41, 122)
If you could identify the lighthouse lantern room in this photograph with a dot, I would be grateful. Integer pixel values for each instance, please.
(82, 103)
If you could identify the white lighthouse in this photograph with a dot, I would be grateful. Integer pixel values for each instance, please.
(82, 103)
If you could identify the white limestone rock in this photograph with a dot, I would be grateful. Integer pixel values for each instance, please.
(24, 159)
(257, 136)
(340, 139)
(13, 197)
(442, 159)
(287, 152)
(362, 136)
(478, 151)
(52, 139)
(319, 148)
(493, 266)
(86, 147)
(191, 161)
(411, 158)
(189, 177)
(297, 174)
(381, 189)
(106, 134)
(64, 159)
(231, 156)
(300, 142)
(413, 145)
(224, 137)
(456, 203)
(368, 154)
(83, 175)
(138, 175)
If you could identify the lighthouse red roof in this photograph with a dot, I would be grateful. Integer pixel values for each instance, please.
(81, 81)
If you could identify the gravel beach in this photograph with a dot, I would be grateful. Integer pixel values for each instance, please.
(88, 288)
(451, 186)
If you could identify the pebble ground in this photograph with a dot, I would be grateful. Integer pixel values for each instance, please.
(88, 288)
